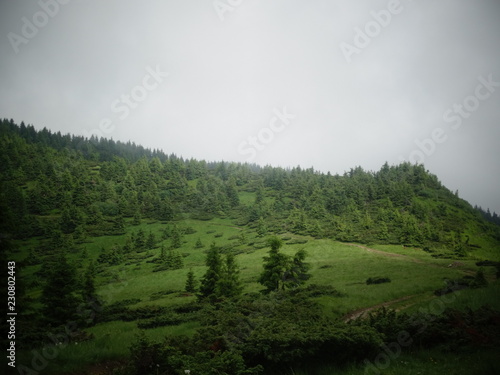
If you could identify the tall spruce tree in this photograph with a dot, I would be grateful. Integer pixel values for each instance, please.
(208, 287)
(190, 282)
(60, 293)
(229, 284)
(297, 272)
(275, 266)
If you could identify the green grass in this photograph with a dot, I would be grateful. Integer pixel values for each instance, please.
(414, 273)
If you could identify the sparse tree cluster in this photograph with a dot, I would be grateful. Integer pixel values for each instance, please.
(282, 271)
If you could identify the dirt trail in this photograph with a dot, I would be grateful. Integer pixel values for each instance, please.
(362, 312)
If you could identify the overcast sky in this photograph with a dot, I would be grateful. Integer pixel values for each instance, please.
(324, 84)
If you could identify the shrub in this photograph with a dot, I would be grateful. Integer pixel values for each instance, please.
(377, 280)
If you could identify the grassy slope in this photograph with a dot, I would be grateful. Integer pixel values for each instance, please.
(413, 273)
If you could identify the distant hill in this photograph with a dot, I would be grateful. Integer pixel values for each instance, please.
(87, 187)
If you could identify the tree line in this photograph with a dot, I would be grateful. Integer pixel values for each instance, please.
(65, 189)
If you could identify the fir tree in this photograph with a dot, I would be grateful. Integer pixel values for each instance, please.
(163, 254)
(137, 217)
(297, 272)
(229, 284)
(190, 282)
(282, 271)
(275, 266)
(59, 295)
(232, 192)
(119, 225)
(208, 287)
(80, 234)
(176, 237)
(151, 241)
(198, 244)
(139, 240)
(261, 227)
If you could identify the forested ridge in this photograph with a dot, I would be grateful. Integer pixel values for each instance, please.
(80, 187)
(117, 245)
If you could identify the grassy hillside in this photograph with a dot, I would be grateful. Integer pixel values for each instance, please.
(131, 223)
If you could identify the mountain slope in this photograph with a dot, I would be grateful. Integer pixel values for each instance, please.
(88, 187)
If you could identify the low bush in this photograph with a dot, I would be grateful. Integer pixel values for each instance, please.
(377, 280)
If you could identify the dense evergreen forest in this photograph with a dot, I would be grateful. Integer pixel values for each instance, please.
(60, 193)
(64, 186)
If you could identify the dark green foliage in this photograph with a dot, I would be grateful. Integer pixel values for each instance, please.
(221, 280)
(275, 266)
(297, 272)
(67, 190)
(92, 304)
(95, 184)
(479, 279)
(190, 282)
(175, 237)
(377, 280)
(198, 244)
(111, 256)
(261, 227)
(60, 294)
(212, 276)
(282, 271)
(229, 284)
(168, 260)
(150, 241)
(174, 355)
(139, 240)
(453, 286)
(148, 358)
(118, 225)
(137, 218)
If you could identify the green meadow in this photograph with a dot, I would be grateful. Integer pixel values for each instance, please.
(414, 276)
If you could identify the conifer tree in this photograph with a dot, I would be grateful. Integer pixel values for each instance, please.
(176, 260)
(151, 241)
(137, 217)
(163, 254)
(176, 237)
(211, 278)
(89, 290)
(229, 284)
(282, 271)
(198, 244)
(275, 266)
(190, 282)
(297, 272)
(261, 227)
(118, 225)
(140, 240)
(59, 295)
(232, 192)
